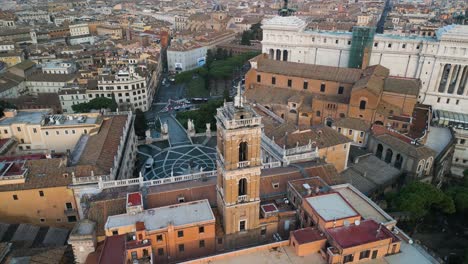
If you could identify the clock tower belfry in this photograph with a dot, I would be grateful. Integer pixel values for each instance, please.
(239, 131)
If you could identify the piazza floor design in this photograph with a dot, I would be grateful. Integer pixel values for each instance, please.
(180, 160)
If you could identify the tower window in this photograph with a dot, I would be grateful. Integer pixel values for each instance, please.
(340, 90)
(242, 224)
(306, 85)
(289, 83)
(322, 87)
(259, 78)
(362, 105)
(273, 80)
(243, 151)
(242, 186)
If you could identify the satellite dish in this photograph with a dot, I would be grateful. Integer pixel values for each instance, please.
(357, 222)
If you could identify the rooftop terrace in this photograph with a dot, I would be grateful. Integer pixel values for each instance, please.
(162, 217)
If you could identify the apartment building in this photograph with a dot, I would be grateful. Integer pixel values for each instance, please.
(72, 96)
(127, 87)
(81, 29)
(48, 82)
(64, 67)
(356, 230)
(174, 233)
(116, 32)
(43, 180)
(39, 130)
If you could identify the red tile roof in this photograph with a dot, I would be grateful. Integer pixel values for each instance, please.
(113, 251)
(307, 235)
(134, 199)
(355, 235)
(269, 208)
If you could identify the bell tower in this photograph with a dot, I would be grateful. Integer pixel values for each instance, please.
(239, 133)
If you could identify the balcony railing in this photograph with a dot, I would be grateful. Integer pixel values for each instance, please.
(243, 164)
(242, 198)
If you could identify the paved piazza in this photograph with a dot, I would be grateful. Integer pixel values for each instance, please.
(180, 160)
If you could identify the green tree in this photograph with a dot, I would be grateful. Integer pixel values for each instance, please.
(210, 57)
(459, 194)
(96, 104)
(246, 37)
(257, 32)
(5, 105)
(205, 114)
(140, 123)
(418, 198)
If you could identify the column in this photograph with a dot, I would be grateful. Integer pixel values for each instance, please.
(439, 77)
(459, 77)
(449, 78)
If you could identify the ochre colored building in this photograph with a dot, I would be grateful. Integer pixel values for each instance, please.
(36, 192)
(176, 232)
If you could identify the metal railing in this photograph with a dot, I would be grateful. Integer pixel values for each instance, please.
(141, 182)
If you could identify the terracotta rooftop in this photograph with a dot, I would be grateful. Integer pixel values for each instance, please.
(43, 173)
(323, 136)
(101, 148)
(401, 142)
(113, 251)
(307, 235)
(354, 235)
(318, 72)
(134, 199)
(352, 123)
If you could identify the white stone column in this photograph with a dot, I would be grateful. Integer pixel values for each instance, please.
(449, 79)
(439, 77)
(461, 68)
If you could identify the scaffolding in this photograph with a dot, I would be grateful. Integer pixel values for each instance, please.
(361, 44)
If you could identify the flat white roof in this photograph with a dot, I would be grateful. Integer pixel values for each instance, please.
(331, 206)
(161, 217)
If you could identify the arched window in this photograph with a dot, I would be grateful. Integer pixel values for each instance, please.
(243, 151)
(362, 104)
(285, 55)
(272, 54)
(398, 161)
(379, 151)
(329, 122)
(292, 111)
(278, 54)
(242, 187)
(388, 156)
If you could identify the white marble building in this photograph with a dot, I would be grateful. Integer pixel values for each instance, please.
(440, 62)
